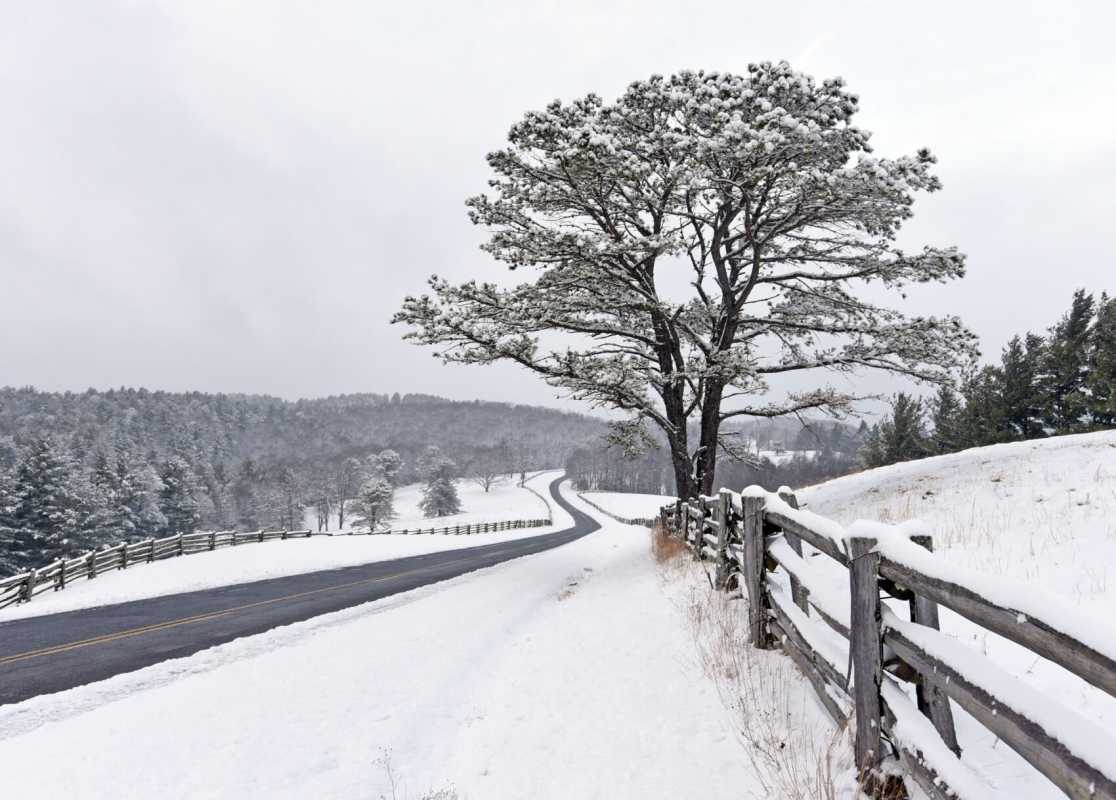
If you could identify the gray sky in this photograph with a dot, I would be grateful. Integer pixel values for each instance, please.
(235, 197)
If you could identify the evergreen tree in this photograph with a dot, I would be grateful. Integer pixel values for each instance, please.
(178, 499)
(983, 420)
(439, 495)
(139, 490)
(47, 511)
(374, 503)
(1019, 389)
(945, 417)
(7, 524)
(1101, 381)
(249, 515)
(1066, 367)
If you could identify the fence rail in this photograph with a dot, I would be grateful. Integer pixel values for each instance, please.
(647, 523)
(59, 574)
(859, 641)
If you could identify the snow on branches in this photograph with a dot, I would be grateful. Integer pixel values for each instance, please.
(761, 191)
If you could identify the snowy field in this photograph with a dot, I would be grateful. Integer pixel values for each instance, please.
(568, 674)
(629, 506)
(504, 500)
(1042, 514)
(273, 559)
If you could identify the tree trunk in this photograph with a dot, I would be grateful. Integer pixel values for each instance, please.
(684, 485)
(705, 459)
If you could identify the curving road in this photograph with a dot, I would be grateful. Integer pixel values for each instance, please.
(49, 653)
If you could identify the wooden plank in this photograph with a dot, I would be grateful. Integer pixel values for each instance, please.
(723, 516)
(823, 543)
(753, 572)
(866, 655)
(809, 671)
(1066, 770)
(821, 664)
(932, 702)
(1033, 633)
(795, 543)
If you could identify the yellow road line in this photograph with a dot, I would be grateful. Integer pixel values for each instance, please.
(109, 637)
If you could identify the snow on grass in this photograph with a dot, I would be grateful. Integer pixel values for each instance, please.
(252, 561)
(629, 506)
(568, 674)
(504, 500)
(1036, 514)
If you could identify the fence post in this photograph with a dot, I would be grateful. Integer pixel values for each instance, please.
(150, 549)
(123, 555)
(91, 563)
(866, 655)
(29, 586)
(61, 576)
(723, 515)
(180, 544)
(213, 540)
(799, 594)
(259, 538)
(752, 503)
(932, 702)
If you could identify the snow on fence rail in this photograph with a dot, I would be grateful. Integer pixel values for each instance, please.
(857, 651)
(57, 575)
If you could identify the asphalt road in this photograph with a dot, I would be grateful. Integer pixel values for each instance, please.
(49, 653)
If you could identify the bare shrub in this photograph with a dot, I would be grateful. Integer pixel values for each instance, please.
(666, 548)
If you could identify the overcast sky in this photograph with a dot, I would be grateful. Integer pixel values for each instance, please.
(235, 197)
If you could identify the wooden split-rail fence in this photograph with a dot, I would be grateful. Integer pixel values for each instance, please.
(647, 523)
(859, 643)
(59, 574)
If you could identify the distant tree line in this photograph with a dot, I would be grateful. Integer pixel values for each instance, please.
(78, 470)
(787, 452)
(1059, 382)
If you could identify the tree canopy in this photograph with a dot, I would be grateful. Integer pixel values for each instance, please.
(694, 240)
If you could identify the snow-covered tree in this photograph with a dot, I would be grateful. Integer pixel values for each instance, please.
(901, 436)
(374, 503)
(1066, 366)
(439, 494)
(347, 481)
(488, 468)
(47, 510)
(758, 193)
(387, 465)
(1101, 383)
(178, 498)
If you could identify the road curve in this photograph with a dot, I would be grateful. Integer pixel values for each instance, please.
(49, 653)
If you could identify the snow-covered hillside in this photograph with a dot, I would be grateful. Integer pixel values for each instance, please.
(1042, 513)
(252, 562)
(629, 506)
(504, 500)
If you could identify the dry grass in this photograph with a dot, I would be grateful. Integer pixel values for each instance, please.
(664, 547)
(795, 753)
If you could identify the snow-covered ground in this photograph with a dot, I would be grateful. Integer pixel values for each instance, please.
(629, 506)
(568, 674)
(503, 500)
(1040, 513)
(273, 559)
